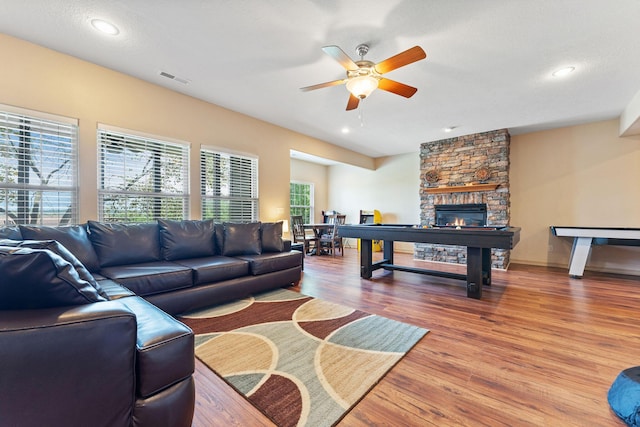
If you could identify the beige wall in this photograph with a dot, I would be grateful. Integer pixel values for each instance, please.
(583, 175)
(44, 80)
(575, 176)
(392, 188)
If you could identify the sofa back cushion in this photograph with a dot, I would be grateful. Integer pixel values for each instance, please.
(10, 232)
(75, 238)
(241, 239)
(39, 278)
(186, 239)
(123, 244)
(271, 235)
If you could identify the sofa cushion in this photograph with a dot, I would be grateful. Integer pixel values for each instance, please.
(58, 249)
(39, 278)
(186, 239)
(165, 348)
(151, 277)
(271, 235)
(114, 290)
(241, 239)
(121, 244)
(215, 269)
(75, 238)
(10, 232)
(268, 263)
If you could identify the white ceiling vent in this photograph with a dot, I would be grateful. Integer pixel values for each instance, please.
(176, 78)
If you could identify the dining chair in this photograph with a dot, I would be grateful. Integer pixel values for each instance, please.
(332, 240)
(300, 236)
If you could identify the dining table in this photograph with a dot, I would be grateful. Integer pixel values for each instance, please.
(318, 230)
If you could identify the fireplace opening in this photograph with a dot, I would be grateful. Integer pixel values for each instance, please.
(462, 215)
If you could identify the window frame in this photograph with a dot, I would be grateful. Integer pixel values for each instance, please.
(159, 151)
(244, 206)
(311, 207)
(56, 134)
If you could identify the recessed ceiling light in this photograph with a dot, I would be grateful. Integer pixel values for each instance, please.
(449, 129)
(105, 27)
(563, 72)
(345, 130)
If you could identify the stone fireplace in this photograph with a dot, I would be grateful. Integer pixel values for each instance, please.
(466, 170)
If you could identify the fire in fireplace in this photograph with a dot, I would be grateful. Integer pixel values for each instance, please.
(463, 215)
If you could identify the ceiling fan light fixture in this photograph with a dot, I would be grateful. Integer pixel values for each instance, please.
(362, 86)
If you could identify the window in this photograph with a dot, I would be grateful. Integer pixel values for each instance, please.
(301, 200)
(141, 178)
(229, 186)
(38, 168)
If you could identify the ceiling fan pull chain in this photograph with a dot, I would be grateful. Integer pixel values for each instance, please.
(360, 114)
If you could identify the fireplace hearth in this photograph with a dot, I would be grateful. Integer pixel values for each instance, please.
(461, 215)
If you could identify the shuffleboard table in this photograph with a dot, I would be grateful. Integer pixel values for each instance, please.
(478, 240)
(584, 237)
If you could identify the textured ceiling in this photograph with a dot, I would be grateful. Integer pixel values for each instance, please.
(488, 65)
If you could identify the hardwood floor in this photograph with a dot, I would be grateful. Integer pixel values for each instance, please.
(539, 349)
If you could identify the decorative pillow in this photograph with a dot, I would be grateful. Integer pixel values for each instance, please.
(75, 238)
(10, 232)
(58, 249)
(39, 278)
(271, 233)
(186, 239)
(122, 244)
(242, 239)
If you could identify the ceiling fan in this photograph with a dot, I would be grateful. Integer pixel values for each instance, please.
(363, 76)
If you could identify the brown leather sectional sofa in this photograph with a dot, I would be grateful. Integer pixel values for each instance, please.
(87, 335)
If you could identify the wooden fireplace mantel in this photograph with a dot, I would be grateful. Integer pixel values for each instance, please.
(462, 188)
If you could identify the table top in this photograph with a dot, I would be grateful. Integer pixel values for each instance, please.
(598, 232)
(485, 237)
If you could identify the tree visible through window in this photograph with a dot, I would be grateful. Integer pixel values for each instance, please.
(229, 186)
(141, 178)
(38, 169)
(301, 200)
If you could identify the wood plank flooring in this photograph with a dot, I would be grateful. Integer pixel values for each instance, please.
(539, 349)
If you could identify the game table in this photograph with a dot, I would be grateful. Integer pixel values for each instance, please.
(585, 237)
(478, 240)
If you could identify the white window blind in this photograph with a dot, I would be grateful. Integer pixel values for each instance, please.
(229, 186)
(38, 168)
(141, 178)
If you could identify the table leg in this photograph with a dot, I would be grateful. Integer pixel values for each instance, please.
(579, 255)
(486, 266)
(387, 251)
(366, 258)
(474, 272)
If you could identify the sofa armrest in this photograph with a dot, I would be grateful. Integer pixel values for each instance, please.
(286, 245)
(72, 365)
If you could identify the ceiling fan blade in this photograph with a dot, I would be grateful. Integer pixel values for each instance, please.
(397, 88)
(321, 85)
(353, 102)
(338, 54)
(400, 60)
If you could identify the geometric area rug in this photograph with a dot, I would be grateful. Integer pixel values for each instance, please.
(300, 360)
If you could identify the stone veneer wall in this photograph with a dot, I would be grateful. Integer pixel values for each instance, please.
(456, 161)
